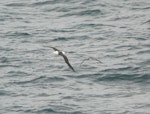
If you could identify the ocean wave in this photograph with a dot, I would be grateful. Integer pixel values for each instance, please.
(16, 4)
(113, 77)
(41, 79)
(18, 73)
(34, 81)
(95, 12)
(47, 2)
(46, 111)
(18, 34)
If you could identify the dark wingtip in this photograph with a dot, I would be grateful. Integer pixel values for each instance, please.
(73, 70)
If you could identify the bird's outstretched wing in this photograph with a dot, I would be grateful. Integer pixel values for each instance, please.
(67, 61)
(55, 49)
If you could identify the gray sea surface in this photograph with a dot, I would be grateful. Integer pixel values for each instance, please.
(34, 81)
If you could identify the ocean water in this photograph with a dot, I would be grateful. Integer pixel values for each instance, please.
(34, 81)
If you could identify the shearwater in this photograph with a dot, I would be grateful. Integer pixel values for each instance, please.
(62, 53)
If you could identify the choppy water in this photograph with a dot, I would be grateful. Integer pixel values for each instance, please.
(34, 81)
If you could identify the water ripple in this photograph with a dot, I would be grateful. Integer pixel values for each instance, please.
(35, 81)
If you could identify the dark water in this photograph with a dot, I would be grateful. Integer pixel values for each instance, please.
(34, 81)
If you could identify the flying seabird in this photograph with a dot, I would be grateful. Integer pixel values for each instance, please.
(61, 53)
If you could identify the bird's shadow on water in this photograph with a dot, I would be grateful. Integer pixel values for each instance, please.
(91, 59)
(89, 63)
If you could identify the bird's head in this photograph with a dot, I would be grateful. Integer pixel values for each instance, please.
(63, 52)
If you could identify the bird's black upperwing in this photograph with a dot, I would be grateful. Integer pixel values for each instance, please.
(55, 49)
(67, 61)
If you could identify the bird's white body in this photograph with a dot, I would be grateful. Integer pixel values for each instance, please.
(57, 53)
(62, 53)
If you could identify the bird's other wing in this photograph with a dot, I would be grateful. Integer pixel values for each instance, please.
(67, 61)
